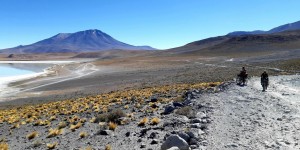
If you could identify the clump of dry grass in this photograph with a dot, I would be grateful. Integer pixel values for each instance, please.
(87, 148)
(62, 125)
(93, 120)
(32, 135)
(99, 103)
(143, 122)
(51, 145)
(186, 111)
(83, 134)
(126, 106)
(155, 121)
(17, 125)
(4, 146)
(52, 118)
(108, 147)
(112, 116)
(112, 126)
(54, 132)
(74, 127)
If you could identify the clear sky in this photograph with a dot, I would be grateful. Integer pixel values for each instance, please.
(158, 23)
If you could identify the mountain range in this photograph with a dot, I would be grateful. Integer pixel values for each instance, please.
(83, 41)
(279, 38)
(282, 28)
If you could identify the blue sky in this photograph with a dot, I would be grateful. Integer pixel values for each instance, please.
(158, 23)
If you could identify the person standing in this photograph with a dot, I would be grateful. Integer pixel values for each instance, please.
(264, 80)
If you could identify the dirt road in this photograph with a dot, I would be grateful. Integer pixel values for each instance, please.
(247, 118)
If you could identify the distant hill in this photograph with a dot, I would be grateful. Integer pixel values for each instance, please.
(286, 27)
(228, 45)
(83, 41)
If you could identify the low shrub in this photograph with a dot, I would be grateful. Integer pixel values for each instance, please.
(143, 121)
(112, 126)
(32, 135)
(155, 121)
(186, 111)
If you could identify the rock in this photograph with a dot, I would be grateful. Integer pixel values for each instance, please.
(196, 120)
(127, 134)
(154, 141)
(173, 148)
(231, 145)
(279, 119)
(177, 104)
(193, 146)
(184, 118)
(143, 145)
(201, 115)
(153, 135)
(191, 134)
(185, 136)
(153, 99)
(196, 125)
(139, 140)
(200, 132)
(175, 140)
(204, 143)
(154, 105)
(168, 109)
(193, 141)
(105, 132)
(187, 102)
(144, 132)
(195, 133)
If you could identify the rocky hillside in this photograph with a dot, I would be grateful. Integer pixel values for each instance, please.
(228, 45)
(149, 118)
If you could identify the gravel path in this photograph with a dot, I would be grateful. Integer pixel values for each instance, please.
(246, 118)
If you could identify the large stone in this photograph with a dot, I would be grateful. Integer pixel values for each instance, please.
(175, 140)
(154, 141)
(105, 132)
(153, 99)
(196, 125)
(169, 109)
(193, 141)
(185, 136)
(196, 120)
(177, 104)
(201, 115)
(195, 133)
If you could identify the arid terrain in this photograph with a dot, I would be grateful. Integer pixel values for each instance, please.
(148, 99)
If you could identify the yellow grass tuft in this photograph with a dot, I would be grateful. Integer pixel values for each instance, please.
(54, 132)
(4, 146)
(108, 147)
(51, 145)
(32, 135)
(52, 118)
(83, 134)
(74, 127)
(112, 126)
(126, 106)
(143, 121)
(17, 125)
(155, 121)
(62, 125)
(93, 120)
